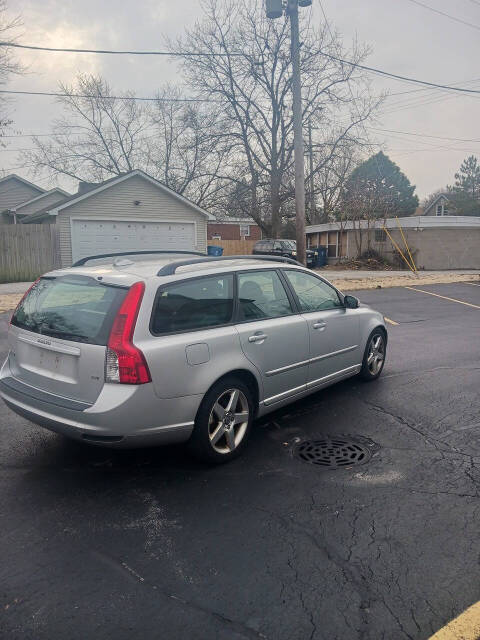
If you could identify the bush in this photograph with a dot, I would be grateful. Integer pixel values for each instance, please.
(371, 254)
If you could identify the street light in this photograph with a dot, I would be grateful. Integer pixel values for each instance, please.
(275, 9)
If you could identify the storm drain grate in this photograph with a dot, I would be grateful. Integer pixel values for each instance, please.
(336, 452)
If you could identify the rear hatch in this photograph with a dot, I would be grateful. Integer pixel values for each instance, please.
(59, 333)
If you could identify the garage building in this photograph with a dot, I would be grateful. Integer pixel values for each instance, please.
(129, 212)
(436, 242)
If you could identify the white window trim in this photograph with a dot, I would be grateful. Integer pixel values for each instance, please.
(244, 235)
(336, 245)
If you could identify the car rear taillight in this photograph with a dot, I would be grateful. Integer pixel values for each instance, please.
(23, 298)
(125, 363)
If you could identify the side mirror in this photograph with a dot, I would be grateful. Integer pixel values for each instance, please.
(351, 302)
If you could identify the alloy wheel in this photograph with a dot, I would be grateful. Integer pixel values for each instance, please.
(228, 421)
(376, 354)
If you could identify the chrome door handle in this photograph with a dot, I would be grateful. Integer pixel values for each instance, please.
(257, 337)
(319, 325)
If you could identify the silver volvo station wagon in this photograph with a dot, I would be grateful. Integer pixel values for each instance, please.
(130, 351)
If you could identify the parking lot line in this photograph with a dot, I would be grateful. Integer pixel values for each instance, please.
(437, 295)
(465, 627)
(390, 321)
(472, 283)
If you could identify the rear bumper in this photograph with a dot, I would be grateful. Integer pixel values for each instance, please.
(122, 416)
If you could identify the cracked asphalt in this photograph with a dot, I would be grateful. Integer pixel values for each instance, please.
(148, 544)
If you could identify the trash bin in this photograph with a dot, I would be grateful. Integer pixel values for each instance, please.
(321, 258)
(212, 250)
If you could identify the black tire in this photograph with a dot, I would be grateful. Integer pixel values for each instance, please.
(208, 423)
(369, 372)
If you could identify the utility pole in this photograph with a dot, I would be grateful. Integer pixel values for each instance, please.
(292, 9)
(275, 10)
(311, 197)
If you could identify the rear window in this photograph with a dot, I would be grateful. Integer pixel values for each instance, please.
(200, 303)
(73, 308)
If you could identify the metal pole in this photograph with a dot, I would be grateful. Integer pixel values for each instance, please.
(312, 184)
(297, 131)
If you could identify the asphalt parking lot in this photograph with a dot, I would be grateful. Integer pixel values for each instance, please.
(147, 544)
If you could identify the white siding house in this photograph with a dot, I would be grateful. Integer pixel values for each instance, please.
(126, 213)
(15, 190)
(440, 206)
(47, 199)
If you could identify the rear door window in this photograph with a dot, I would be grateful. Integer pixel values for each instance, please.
(74, 308)
(200, 303)
(262, 295)
(312, 293)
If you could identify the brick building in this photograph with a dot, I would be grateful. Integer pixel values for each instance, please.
(233, 229)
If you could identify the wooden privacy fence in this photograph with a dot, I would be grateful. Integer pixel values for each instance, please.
(27, 251)
(234, 247)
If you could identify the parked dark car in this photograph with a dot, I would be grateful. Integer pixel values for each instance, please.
(286, 248)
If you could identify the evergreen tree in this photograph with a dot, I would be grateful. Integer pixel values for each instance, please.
(467, 180)
(465, 194)
(378, 189)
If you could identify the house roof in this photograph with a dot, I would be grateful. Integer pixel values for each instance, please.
(13, 176)
(433, 203)
(411, 222)
(102, 186)
(43, 195)
(236, 220)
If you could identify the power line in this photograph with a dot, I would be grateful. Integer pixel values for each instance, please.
(361, 123)
(422, 103)
(39, 135)
(446, 15)
(398, 105)
(434, 150)
(77, 95)
(428, 94)
(399, 77)
(423, 135)
(196, 54)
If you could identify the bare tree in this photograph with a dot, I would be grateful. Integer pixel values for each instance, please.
(329, 179)
(184, 150)
(8, 63)
(102, 134)
(98, 137)
(250, 84)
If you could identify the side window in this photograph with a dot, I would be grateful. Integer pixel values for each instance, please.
(313, 294)
(193, 304)
(262, 295)
(277, 246)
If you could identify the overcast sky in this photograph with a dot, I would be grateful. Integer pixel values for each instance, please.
(405, 38)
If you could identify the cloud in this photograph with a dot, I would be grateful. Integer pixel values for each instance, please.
(405, 39)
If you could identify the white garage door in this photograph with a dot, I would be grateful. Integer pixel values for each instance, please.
(93, 237)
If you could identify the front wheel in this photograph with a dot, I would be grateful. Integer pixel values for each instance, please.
(374, 356)
(223, 422)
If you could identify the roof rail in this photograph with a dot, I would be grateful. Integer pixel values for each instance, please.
(82, 261)
(170, 268)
